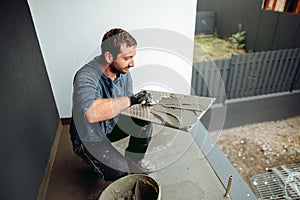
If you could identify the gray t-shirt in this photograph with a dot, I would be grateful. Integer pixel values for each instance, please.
(90, 83)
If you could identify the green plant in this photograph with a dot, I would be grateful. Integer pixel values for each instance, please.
(238, 39)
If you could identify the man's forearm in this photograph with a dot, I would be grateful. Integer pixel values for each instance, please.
(104, 109)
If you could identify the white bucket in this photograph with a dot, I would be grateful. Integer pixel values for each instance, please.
(134, 187)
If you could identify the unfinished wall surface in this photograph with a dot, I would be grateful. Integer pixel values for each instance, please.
(266, 30)
(29, 117)
(69, 33)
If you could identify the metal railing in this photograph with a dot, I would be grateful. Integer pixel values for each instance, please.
(250, 74)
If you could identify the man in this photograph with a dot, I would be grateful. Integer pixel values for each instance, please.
(102, 89)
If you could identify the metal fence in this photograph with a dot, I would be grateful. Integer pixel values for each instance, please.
(250, 74)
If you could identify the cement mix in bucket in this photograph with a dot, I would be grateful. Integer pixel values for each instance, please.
(132, 187)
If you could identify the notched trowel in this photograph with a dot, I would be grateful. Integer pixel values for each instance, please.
(173, 110)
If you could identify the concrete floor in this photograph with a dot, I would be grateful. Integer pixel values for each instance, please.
(180, 169)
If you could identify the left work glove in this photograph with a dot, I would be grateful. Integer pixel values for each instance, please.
(140, 97)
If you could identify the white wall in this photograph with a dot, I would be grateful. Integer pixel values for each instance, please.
(70, 31)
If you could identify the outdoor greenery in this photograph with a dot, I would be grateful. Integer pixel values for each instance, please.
(238, 39)
(210, 47)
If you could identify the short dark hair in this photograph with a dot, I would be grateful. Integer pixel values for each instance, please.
(114, 39)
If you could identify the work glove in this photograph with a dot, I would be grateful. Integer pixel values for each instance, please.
(140, 97)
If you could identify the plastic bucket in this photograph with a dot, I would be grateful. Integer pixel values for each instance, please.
(133, 187)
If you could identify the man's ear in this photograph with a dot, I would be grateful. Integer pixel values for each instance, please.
(108, 57)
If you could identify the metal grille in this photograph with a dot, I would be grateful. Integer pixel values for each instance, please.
(281, 183)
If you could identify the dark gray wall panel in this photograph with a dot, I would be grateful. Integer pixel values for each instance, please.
(29, 117)
(266, 29)
(297, 39)
(286, 33)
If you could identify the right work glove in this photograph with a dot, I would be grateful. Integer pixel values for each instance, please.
(140, 97)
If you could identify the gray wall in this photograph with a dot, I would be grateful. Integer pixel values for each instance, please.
(29, 117)
(266, 30)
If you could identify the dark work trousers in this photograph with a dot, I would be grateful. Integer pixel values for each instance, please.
(103, 158)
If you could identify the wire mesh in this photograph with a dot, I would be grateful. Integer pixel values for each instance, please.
(281, 183)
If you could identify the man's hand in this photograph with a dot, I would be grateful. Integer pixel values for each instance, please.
(140, 97)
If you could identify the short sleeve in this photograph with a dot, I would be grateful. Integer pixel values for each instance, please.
(84, 89)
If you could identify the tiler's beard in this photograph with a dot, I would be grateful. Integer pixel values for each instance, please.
(114, 69)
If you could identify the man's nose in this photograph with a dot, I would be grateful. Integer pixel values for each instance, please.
(131, 63)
